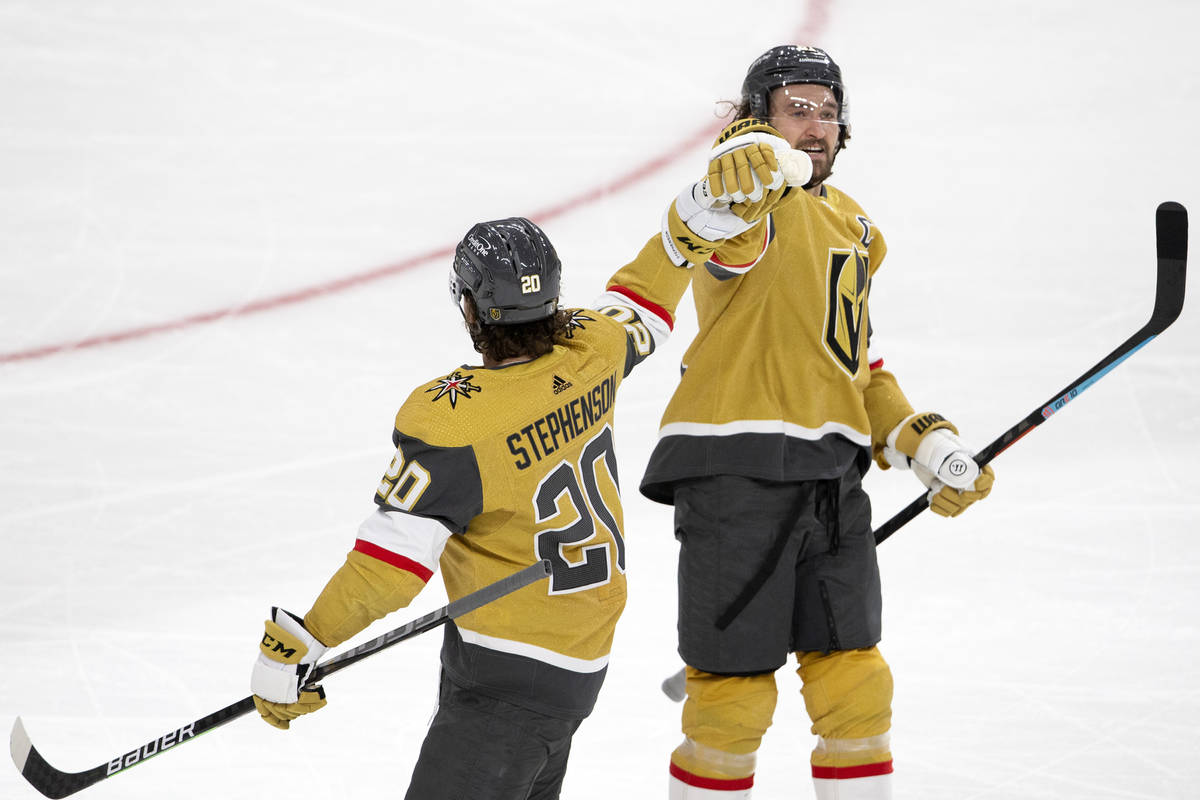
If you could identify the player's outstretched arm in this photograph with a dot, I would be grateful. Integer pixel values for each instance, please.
(751, 172)
(374, 581)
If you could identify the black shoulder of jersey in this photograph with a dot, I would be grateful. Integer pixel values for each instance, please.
(443, 483)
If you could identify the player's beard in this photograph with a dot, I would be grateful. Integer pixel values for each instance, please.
(822, 167)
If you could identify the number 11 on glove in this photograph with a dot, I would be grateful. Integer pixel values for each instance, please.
(929, 445)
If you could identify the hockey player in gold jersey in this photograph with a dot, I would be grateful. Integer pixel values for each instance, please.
(497, 466)
(782, 406)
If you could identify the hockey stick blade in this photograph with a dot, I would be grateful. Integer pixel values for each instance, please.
(55, 783)
(1171, 233)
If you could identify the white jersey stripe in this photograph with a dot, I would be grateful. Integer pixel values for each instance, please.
(764, 426)
(533, 651)
(419, 539)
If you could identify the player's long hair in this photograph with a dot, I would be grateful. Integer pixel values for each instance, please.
(732, 110)
(500, 342)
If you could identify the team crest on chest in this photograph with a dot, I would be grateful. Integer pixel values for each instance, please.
(454, 386)
(846, 312)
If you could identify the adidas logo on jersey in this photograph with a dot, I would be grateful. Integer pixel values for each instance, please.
(561, 385)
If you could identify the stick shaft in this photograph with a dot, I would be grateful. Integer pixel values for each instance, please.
(1171, 229)
(55, 783)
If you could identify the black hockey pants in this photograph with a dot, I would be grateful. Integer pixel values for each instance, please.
(481, 748)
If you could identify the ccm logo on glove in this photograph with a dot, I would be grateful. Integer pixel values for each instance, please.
(273, 645)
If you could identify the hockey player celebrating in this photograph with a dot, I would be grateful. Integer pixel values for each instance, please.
(496, 467)
(782, 405)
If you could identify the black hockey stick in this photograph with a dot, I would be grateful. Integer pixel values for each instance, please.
(1171, 230)
(55, 783)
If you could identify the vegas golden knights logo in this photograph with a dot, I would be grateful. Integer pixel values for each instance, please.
(846, 314)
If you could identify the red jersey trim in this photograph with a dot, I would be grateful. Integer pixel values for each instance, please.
(745, 267)
(719, 784)
(848, 773)
(876, 364)
(395, 559)
(653, 308)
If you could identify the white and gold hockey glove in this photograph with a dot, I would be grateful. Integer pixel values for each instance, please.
(288, 653)
(928, 444)
(752, 168)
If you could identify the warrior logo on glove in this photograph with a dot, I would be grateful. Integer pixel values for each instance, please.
(745, 126)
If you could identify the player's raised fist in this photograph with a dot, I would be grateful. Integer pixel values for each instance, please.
(745, 169)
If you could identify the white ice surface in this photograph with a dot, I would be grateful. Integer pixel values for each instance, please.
(164, 159)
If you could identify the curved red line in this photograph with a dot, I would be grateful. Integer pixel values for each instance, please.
(817, 18)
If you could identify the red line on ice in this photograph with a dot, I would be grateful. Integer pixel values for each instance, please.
(817, 17)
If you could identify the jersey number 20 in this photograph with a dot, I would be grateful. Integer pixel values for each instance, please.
(578, 518)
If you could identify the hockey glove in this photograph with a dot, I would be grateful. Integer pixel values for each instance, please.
(950, 502)
(693, 226)
(289, 653)
(746, 169)
(929, 445)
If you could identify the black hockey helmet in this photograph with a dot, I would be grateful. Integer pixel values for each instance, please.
(788, 64)
(510, 269)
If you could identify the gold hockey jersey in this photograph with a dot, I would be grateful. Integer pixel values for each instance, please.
(778, 384)
(494, 470)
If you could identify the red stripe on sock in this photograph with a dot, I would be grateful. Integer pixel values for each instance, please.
(395, 559)
(719, 784)
(849, 773)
